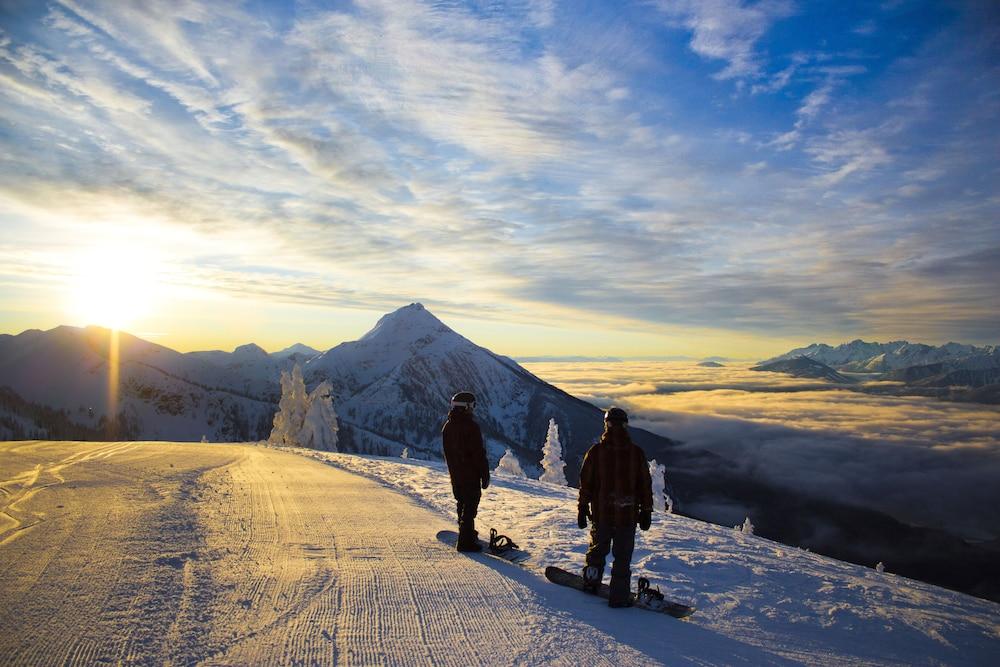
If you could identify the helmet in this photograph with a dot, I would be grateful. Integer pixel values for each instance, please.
(616, 415)
(464, 399)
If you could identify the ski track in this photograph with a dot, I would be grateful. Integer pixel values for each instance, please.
(162, 553)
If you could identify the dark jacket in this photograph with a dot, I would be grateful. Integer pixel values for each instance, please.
(463, 451)
(615, 483)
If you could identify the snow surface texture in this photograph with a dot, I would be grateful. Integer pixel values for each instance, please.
(154, 553)
(759, 602)
(161, 553)
(553, 468)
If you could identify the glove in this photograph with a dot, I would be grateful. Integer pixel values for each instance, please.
(581, 517)
(486, 480)
(645, 519)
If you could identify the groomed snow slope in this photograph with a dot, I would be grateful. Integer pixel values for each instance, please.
(154, 553)
(759, 602)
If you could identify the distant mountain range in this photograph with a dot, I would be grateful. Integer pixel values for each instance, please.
(916, 365)
(391, 390)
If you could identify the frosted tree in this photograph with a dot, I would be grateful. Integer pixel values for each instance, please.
(292, 409)
(510, 465)
(880, 567)
(319, 428)
(661, 501)
(746, 528)
(552, 463)
(405, 454)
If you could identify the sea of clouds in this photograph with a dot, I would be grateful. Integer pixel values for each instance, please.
(925, 461)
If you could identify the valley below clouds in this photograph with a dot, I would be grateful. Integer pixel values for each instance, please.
(924, 461)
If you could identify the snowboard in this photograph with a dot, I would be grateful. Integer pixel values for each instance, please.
(512, 554)
(645, 598)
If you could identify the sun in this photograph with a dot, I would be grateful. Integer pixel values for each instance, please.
(113, 285)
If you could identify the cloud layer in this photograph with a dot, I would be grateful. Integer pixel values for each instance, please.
(924, 461)
(692, 164)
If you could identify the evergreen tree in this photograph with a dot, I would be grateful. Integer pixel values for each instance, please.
(319, 428)
(509, 465)
(552, 463)
(661, 501)
(292, 409)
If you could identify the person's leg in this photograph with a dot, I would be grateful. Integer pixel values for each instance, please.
(597, 554)
(475, 494)
(622, 546)
(468, 502)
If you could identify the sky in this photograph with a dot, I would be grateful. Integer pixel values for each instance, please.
(596, 178)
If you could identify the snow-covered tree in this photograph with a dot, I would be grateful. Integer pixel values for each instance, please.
(552, 462)
(880, 567)
(319, 429)
(661, 501)
(292, 409)
(405, 454)
(304, 420)
(509, 465)
(746, 528)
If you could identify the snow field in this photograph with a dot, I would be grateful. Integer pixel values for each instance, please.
(156, 553)
(169, 553)
(790, 603)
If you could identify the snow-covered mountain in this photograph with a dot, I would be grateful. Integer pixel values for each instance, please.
(394, 385)
(804, 367)
(162, 394)
(862, 357)
(391, 389)
(298, 351)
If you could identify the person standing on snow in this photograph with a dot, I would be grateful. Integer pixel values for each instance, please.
(467, 465)
(616, 492)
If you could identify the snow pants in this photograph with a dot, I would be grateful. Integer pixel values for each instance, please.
(619, 540)
(467, 500)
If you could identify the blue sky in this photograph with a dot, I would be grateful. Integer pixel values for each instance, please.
(585, 177)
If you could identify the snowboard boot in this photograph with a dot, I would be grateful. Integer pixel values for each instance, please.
(592, 576)
(620, 596)
(468, 539)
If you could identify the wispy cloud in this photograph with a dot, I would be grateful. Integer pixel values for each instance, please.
(728, 30)
(758, 184)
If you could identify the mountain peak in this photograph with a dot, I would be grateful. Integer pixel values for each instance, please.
(298, 348)
(249, 350)
(406, 323)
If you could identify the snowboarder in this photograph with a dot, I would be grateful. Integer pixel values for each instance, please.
(615, 493)
(467, 465)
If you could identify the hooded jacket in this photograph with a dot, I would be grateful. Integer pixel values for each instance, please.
(615, 483)
(463, 450)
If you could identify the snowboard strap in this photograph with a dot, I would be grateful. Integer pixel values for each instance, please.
(500, 543)
(647, 594)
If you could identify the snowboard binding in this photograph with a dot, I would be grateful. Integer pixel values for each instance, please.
(648, 596)
(500, 544)
(592, 576)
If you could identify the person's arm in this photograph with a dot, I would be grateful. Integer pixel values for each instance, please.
(645, 484)
(586, 490)
(644, 489)
(448, 444)
(484, 464)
